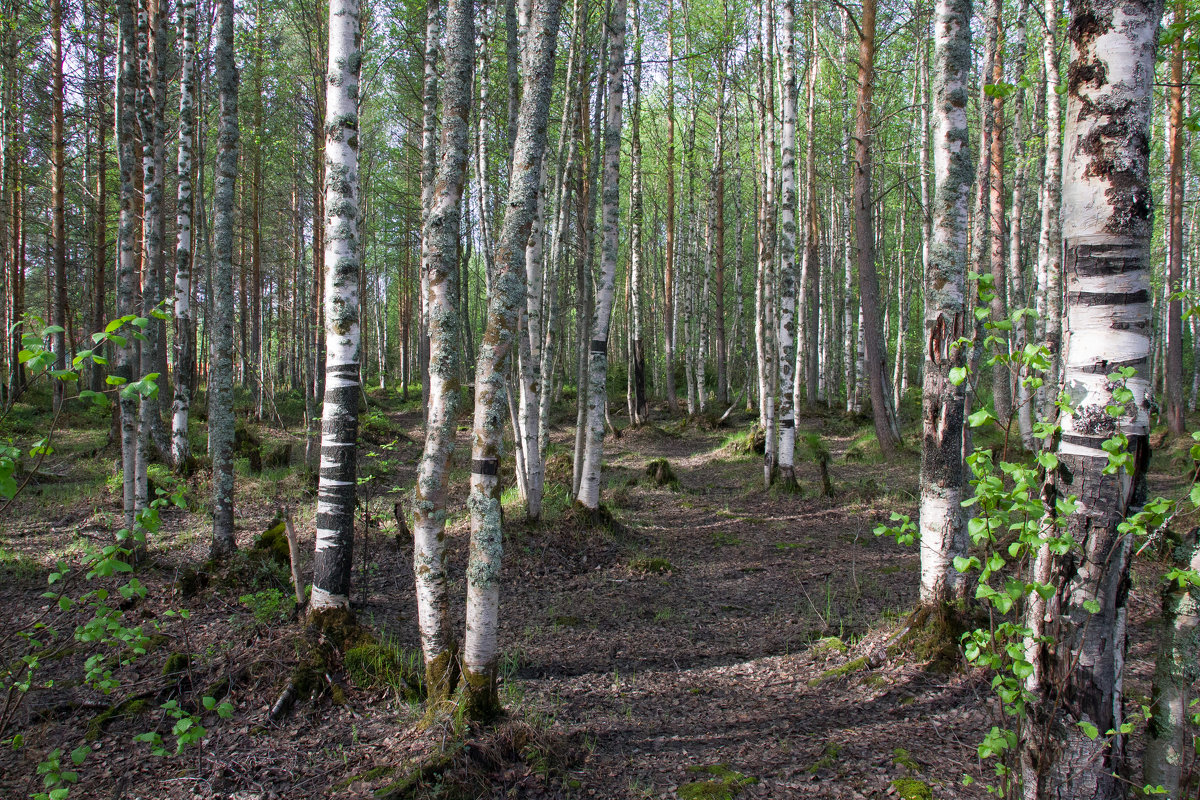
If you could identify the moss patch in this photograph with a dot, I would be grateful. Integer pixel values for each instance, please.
(176, 663)
(273, 541)
(849, 668)
(382, 665)
(646, 565)
(933, 637)
(724, 783)
(912, 789)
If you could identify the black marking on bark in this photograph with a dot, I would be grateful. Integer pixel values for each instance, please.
(1108, 298)
(787, 423)
(599, 346)
(485, 466)
(1104, 367)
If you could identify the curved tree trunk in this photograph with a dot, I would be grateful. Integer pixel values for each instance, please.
(339, 420)
(481, 652)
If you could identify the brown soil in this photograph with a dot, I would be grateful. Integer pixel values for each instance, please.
(716, 624)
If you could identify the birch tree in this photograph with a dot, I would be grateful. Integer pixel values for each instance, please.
(787, 256)
(185, 357)
(481, 654)
(440, 298)
(1107, 225)
(220, 392)
(943, 532)
(339, 420)
(597, 397)
(126, 82)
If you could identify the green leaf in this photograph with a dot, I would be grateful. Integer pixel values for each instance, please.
(1089, 730)
(958, 375)
(1092, 607)
(981, 417)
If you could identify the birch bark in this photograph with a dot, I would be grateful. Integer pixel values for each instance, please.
(943, 529)
(480, 648)
(185, 357)
(1107, 225)
(440, 235)
(339, 417)
(593, 452)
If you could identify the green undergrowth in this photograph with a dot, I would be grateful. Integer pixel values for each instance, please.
(723, 783)
(384, 664)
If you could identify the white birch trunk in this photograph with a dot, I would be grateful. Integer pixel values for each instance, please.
(787, 255)
(593, 452)
(1107, 224)
(942, 524)
(339, 419)
(480, 647)
(440, 235)
(184, 355)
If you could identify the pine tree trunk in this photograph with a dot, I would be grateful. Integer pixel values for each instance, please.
(1001, 387)
(1107, 225)
(185, 357)
(1174, 230)
(943, 528)
(99, 299)
(1016, 267)
(339, 420)
(220, 392)
(481, 652)
(875, 352)
(58, 231)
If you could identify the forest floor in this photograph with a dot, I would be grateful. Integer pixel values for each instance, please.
(719, 639)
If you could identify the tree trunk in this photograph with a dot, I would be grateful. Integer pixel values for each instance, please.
(220, 393)
(1174, 673)
(1174, 229)
(639, 409)
(339, 419)
(185, 356)
(127, 290)
(886, 429)
(1050, 235)
(481, 652)
(943, 528)
(1108, 220)
(58, 231)
(787, 254)
(593, 452)
(669, 244)
(1001, 388)
(442, 186)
